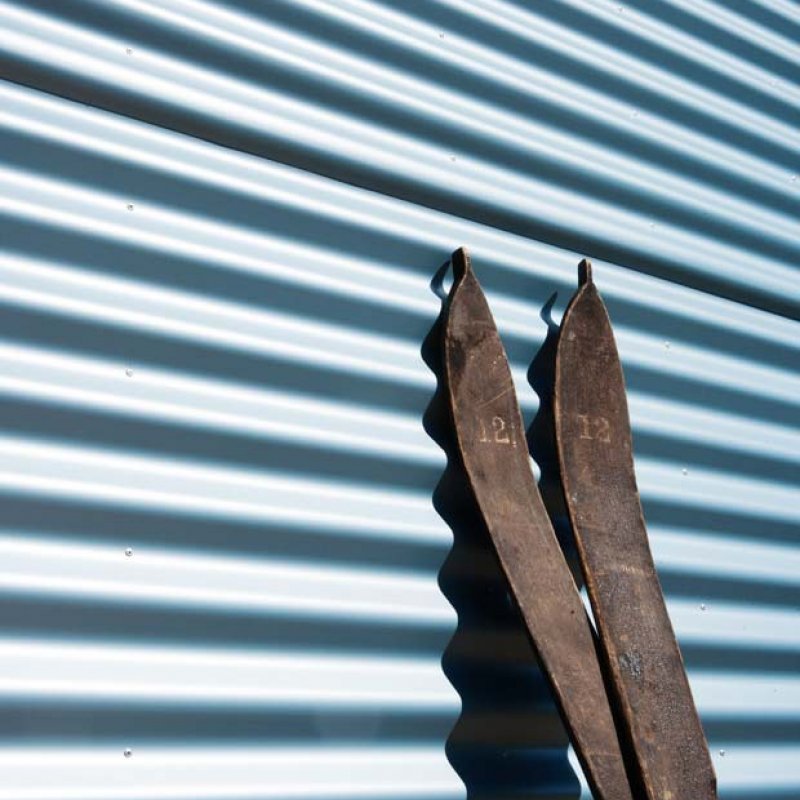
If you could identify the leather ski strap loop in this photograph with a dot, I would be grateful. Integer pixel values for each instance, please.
(491, 441)
(595, 452)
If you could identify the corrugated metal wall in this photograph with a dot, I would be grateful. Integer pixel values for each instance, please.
(220, 553)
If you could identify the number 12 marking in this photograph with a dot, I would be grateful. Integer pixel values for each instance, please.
(596, 428)
(498, 434)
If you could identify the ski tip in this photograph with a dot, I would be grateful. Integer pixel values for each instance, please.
(584, 272)
(461, 263)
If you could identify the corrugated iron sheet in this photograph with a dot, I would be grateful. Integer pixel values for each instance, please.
(218, 225)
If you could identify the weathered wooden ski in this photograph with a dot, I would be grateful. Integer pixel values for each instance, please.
(595, 452)
(492, 444)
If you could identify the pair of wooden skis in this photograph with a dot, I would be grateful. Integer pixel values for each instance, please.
(623, 693)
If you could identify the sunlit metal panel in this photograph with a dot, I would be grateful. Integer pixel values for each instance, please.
(224, 574)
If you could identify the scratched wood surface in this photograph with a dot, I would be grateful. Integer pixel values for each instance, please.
(595, 452)
(492, 444)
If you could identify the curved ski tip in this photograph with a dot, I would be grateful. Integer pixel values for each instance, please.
(461, 263)
(584, 272)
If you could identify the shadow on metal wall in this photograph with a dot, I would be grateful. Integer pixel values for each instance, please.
(508, 740)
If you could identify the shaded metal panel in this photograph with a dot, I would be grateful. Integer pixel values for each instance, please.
(218, 224)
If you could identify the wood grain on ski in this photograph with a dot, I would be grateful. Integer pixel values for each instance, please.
(595, 452)
(492, 444)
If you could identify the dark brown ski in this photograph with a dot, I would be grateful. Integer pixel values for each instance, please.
(645, 664)
(492, 444)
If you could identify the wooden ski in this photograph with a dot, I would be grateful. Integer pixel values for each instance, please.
(492, 444)
(595, 452)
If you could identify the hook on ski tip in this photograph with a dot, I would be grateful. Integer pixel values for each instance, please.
(585, 272)
(462, 264)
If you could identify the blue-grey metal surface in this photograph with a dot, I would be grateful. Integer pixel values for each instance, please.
(218, 225)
